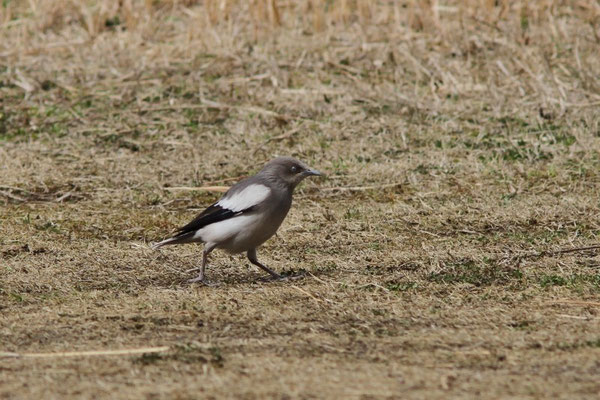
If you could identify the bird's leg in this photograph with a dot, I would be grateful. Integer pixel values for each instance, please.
(252, 258)
(200, 277)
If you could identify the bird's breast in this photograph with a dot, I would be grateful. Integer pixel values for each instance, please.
(257, 227)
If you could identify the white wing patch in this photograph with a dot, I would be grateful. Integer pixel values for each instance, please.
(246, 198)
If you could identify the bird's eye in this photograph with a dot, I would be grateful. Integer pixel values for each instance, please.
(294, 169)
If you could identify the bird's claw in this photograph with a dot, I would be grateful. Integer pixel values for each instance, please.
(290, 278)
(203, 281)
(282, 278)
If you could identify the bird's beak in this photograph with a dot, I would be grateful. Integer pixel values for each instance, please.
(311, 171)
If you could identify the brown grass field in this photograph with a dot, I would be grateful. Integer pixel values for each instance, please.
(452, 251)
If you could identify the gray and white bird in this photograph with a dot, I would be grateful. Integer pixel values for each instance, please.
(247, 215)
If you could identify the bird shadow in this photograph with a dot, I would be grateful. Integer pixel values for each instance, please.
(227, 275)
(246, 279)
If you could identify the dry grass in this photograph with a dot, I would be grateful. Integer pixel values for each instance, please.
(461, 142)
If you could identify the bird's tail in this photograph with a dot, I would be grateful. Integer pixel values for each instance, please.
(178, 239)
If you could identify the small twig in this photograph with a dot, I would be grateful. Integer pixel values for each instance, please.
(168, 108)
(489, 25)
(546, 253)
(15, 189)
(88, 353)
(573, 303)
(565, 251)
(283, 136)
(359, 188)
(12, 196)
(199, 188)
(583, 105)
(317, 279)
(312, 296)
(78, 117)
(307, 293)
(429, 233)
(210, 104)
(344, 68)
(258, 77)
(235, 178)
(574, 317)
(40, 49)
(561, 251)
(63, 197)
(376, 285)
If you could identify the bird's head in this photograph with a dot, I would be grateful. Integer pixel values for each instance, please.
(288, 170)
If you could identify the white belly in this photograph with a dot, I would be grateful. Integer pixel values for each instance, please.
(238, 234)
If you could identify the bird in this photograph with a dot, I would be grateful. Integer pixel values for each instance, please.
(247, 215)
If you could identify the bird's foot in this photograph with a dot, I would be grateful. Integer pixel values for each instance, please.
(284, 278)
(290, 278)
(205, 282)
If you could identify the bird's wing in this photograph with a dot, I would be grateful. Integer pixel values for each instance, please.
(237, 200)
(242, 197)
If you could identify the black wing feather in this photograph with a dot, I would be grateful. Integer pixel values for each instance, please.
(214, 213)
